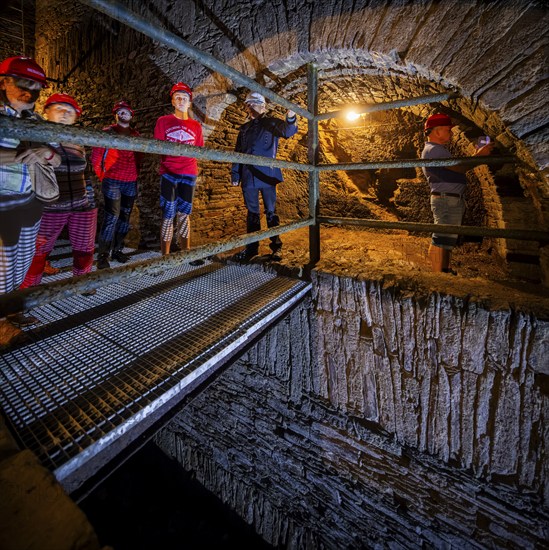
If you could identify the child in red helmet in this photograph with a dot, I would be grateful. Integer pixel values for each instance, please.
(178, 174)
(21, 81)
(118, 171)
(75, 209)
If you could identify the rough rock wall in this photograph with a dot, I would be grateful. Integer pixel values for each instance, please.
(371, 416)
(367, 51)
(17, 28)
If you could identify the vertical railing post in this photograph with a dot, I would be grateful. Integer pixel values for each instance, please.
(312, 146)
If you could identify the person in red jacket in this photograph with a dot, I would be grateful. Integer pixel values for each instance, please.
(118, 171)
(178, 174)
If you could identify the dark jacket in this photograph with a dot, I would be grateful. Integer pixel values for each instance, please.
(260, 137)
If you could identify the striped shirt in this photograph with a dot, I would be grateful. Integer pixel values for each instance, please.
(15, 180)
(72, 178)
(441, 179)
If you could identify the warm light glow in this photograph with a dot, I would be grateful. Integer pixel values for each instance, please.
(352, 116)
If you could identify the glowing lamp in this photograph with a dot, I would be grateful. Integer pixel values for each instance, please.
(352, 116)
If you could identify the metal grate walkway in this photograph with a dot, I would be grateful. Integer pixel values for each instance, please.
(100, 369)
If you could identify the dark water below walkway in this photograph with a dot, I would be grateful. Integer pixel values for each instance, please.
(150, 502)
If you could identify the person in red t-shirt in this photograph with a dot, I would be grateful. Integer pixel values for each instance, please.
(117, 170)
(178, 174)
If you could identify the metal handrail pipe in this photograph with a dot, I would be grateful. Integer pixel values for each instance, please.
(419, 163)
(517, 234)
(397, 104)
(49, 132)
(119, 12)
(32, 297)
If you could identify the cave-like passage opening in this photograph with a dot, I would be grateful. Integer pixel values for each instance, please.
(24, 129)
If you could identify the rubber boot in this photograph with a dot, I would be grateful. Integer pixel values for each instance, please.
(103, 247)
(185, 243)
(82, 262)
(276, 244)
(253, 223)
(118, 242)
(103, 260)
(35, 271)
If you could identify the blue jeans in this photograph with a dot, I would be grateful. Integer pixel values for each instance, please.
(447, 211)
(253, 223)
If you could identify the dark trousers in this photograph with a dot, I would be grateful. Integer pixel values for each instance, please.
(119, 199)
(253, 220)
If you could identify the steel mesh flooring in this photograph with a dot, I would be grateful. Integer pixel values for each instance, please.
(98, 364)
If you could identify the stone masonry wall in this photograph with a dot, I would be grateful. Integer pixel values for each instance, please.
(492, 53)
(375, 417)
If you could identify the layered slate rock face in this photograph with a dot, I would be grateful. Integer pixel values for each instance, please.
(371, 416)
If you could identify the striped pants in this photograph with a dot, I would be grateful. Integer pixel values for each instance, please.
(18, 229)
(81, 227)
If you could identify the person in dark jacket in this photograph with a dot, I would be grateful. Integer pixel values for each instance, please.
(260, 137)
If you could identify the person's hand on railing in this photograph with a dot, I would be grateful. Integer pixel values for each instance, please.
(485, 150)
(37, 155)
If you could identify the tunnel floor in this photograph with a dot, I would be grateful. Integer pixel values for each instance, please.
(400, 259)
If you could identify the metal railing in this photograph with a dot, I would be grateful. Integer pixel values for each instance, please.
(45, 132)
(31, 297)
(469, 231)
(385, 106)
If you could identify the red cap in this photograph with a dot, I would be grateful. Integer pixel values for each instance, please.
(63, 98)
(438, 119)
(121, 105)
(23, 67)
(181, 87)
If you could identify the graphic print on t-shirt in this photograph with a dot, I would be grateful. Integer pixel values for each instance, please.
(179, 135)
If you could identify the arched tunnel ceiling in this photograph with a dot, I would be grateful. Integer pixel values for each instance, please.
(491, 53)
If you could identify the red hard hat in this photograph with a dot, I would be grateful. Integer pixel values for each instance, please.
(181, 87)
(438, 119)
(63, 98)
(121, 105)
(23, 67)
